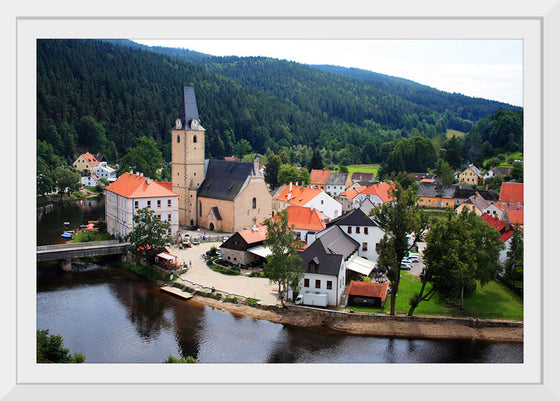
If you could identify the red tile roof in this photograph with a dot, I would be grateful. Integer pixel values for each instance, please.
(133, 186)
(303, 218)
(319, 176)
(258, 234)
(299, 196)
(515, 216)
(166, 185)
(90, 158)
(363, 289)
(511, 192)
(352, 193)
(380, 189)
(494, 222)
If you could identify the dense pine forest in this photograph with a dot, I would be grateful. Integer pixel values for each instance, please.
(101, 96)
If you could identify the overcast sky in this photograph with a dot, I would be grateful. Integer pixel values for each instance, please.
(491, 69)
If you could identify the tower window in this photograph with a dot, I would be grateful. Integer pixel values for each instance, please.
(178, 139)
(194, 139)
(254, 203)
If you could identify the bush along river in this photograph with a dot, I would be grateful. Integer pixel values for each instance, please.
(112, 315)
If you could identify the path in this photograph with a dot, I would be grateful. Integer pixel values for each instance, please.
(199, 273)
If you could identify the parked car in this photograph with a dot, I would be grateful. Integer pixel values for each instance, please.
(414, 257)
(406, 265)
(195, 241)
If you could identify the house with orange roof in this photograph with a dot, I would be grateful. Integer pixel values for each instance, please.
(319, 179)
(369, 294)
(315, 198)
(245, 247)
(511, 193)
(304, 220)
(132, 192)
(346, 198)
(86, 163)
(506, 232)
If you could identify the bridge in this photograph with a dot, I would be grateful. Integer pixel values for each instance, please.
(64, 253)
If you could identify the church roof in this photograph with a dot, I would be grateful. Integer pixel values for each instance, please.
(188, 110)
(224, 179)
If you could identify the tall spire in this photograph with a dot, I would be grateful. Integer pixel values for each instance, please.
(188, 110)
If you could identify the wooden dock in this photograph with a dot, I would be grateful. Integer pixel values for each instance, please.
(178, 292)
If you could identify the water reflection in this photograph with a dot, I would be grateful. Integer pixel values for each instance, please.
(112, 315)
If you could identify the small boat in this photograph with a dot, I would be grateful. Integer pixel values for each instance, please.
(66, 223)
(66, 234)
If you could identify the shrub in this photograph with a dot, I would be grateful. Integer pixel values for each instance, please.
(251, 301)
(231, 299)
(366, 279)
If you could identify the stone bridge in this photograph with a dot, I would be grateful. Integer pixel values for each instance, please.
(64, 253)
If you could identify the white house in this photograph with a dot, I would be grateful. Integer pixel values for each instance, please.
(105, 171)
(363, 230)
(324, 264)
(90, 180)
(132, 192)
(309, 197)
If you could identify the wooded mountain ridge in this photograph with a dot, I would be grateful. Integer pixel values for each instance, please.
(132, 90)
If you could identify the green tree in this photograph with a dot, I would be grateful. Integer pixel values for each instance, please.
(452, 154)
(445, 173)
(150, 234)
(45, 182)
(174, 359)
(290, 173)
(145, 158)
(283, 265)
(67, 179)
(399, 220)
(242, 148)
(271, 172)
(514, 263)
(461, 250)
(316, 160)
(50, 349)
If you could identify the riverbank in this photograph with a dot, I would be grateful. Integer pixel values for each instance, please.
(433, 328)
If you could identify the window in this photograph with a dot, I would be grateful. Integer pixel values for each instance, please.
(169, 217)
(306, 282)
(317, 283)
(357, 230)
(349, 230)
(377, 247)
(149, 203)
(158, 203)
(366, 231)
(254, 203)
(168, 202)
(135, 204)
(194, 139)
(329, 285)
(178, 139)
(199, 209)
(364, 246)
(322, 202)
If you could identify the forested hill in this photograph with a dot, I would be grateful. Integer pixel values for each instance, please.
(132, 91)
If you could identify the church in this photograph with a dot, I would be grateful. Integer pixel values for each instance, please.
(218, 195)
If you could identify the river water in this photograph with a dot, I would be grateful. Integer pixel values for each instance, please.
(111, 315)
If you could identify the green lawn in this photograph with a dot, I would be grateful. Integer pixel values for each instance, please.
(364, 168)
(451, 132)
(493, 301)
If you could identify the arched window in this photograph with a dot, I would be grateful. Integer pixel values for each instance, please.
(178, 139)
(199, 209)
(254, 203)
(194, 139)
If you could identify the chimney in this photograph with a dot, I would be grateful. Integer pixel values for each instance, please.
(131, 172)
(141, 174)
(148, 180)
(137, 174)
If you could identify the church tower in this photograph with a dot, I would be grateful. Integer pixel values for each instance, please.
(187, 158)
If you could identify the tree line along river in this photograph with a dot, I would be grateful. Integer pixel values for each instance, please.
(114, 316)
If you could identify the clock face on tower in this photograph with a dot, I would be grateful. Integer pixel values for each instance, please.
(178, 124)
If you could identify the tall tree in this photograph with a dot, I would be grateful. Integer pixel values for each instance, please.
(66, 179)
(271, 172)
(316, 160)
(92, 134)
(150, 234)
(461, 250)
(283, 265)
(400, 219)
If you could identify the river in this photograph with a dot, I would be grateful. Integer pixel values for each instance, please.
(111, 315)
